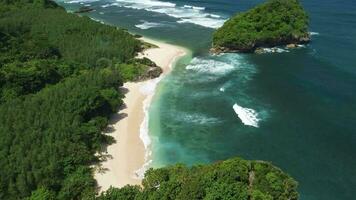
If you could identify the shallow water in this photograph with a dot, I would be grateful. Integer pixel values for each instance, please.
(295, 108)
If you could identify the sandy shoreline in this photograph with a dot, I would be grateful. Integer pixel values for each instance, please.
(129, 126)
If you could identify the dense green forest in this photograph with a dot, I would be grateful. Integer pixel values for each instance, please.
(236, 179)
(39, 46)
(59, 79)
(48, 140)
(273, 23)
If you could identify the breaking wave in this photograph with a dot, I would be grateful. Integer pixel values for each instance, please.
(147, 25)
(247, 116)
(194, 7)
(210, 66)
(313, 33)
(80, 1)
(184, 14)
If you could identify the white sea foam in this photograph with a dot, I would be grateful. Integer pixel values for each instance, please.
(214, 16)
(184, 14)
(313, 33)
(106, 5)
(210, 66)
(80, 1)
(248, 116)
(222, 89)
(148, 89)
(195, 118)
(148, 25)
(274, 50)
(97, 20)
(194, 7)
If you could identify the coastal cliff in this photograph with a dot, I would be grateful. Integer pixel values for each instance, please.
(273, 23)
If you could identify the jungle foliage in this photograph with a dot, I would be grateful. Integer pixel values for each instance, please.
(231, 179)
(275, 22)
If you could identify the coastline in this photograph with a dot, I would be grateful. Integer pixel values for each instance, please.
(128, 158)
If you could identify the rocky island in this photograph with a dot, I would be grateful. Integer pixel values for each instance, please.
(273, 23)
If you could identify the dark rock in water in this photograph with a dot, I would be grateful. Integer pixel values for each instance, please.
(260, 51)
(137, 36)
(291, 46)
(218, 50)
(84, 9)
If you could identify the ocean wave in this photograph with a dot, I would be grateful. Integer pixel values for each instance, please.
(210, 66)
(195, 118)
(314, 33)
(109, 5)
(280, 49)
(247, 116)
(148, 89)
(147, 25)
(79, 1)
(184, 14)
(274, 50)
(194, 7)
(214, 16)
(97, 20)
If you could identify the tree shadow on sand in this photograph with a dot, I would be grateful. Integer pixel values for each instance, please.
(103, 155)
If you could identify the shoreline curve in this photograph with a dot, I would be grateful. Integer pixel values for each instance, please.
(128, 158)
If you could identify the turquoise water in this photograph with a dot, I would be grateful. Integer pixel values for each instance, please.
(295, 109)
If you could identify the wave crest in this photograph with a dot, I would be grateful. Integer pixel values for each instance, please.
(247, 116)
(210, 66)
(184, 14)
(148, 25)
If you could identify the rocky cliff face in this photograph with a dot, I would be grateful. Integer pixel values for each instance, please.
(255, 47)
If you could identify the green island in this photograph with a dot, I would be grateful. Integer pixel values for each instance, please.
(58, 88)
(273, 23)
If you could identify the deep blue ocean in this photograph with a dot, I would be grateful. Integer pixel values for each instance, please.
(295, 108)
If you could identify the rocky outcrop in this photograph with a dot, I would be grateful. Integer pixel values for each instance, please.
(270, 24)
(151, 70)
(259, 47)
(84, 9)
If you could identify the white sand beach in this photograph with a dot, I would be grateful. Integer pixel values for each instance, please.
(127, 155)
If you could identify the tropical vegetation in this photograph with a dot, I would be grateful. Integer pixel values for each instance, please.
(231, 179)
(59, 80)
(273, 23)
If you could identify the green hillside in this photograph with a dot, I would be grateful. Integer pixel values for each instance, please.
(273, 23)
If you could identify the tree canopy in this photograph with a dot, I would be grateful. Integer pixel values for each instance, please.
(231, 179)
(59, 80)
(273, 23)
